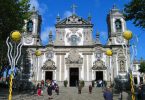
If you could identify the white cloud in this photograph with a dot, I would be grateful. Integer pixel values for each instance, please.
(34, 3)
(103, 37)
(44, 35)
(67, 14)
(41, 8)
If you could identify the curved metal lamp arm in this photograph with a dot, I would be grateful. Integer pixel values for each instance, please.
(19, 50)
(8, 53)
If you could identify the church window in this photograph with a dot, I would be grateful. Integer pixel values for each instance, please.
(118, 25)
(30, 26)
(74, 40)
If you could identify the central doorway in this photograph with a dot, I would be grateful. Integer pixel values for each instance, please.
(74, 76)
(99, 75)
(48, 75)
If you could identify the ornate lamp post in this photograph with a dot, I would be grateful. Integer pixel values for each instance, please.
(37, 53)
(128, 35)
(109, 53)
(13, 55)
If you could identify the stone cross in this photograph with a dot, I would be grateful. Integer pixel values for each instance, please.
(74, 8)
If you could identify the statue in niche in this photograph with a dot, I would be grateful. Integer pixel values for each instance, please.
(122, 66)
(30, 26)
(118, 25)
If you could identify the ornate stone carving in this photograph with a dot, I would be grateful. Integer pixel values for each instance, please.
(74, 19)
(49, 65)
(99, 65)
(122, 66)
(74, 57)
(73, 30)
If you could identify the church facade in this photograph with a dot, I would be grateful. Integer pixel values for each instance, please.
(74, 55)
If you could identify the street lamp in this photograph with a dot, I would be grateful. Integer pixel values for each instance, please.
(128, 35)
(109, 53)
(37, 53)
(13, 55)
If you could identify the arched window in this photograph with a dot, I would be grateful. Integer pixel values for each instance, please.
(118, 25)
(30, 26)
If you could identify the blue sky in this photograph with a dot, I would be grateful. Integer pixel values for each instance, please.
(98, 9)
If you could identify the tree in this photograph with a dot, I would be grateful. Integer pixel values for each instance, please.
(142, 67)
(12, 16)
(135, 11)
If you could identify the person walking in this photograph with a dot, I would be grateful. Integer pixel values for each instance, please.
(79, 89)
(139, 93)
(57, 89)
(38, 89)
(90, 89)
(49, 91)
(108, 94)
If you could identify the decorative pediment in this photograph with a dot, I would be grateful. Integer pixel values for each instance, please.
(99, 65)
(74, 57)
(49, 65)
(73, 19)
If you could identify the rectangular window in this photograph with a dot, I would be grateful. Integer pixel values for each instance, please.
(141, 79)
(135, 80)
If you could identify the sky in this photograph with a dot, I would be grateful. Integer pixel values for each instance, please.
(49, 9)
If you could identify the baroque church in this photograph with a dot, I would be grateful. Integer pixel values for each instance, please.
(74, 55)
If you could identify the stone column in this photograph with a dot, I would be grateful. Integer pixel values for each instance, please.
(90, 67)
(58, 67)
(85, 68)
(62, 67)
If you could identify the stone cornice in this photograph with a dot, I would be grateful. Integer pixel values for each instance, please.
(59, 53)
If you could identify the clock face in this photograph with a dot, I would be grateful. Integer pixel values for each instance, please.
(28, 40)
(49, 55)
(98, 55)
(119, 39)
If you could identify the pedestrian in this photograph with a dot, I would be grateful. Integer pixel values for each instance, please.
(139, 93)
(38, 89)
(90, 89)
(79, 89)
(42, 83)
(49, 91)
(57, 89)
(105, 83)
(108, 94)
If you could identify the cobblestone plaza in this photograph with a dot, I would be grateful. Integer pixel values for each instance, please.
(69, 93)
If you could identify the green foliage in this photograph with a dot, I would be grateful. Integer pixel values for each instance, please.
(12, 16)
(142, 67)
(65, 83)
(135, 11)
(82, 83)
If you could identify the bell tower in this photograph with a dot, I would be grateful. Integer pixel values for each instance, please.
(116, 26)
(33, 26)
